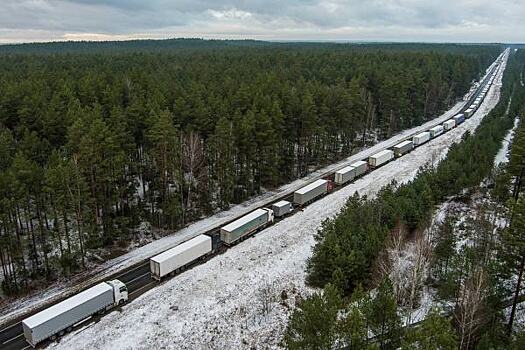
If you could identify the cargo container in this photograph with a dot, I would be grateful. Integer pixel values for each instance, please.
(403, 147)
(344, 175)
(460, 118)
(421, 138)
(310, 192)
(436, 131)
(247, 224)
(380, 158)
(282, 208)
(177, 257)
(60, 318)
(469, 112)
(360, 167)
(449, 124)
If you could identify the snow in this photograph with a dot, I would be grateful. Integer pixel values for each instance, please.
(502, 156)
(242, 299)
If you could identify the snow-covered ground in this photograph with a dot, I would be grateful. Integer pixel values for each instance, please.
(101, 272)
(503, 154)
(242, 298)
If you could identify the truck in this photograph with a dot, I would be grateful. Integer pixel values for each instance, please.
(179, 256)
(436, 131)
(282, 208)
(360, 167)
(380, 158)
(344, 175)
(403, 147)
(460, 118)
(249, 223)
(421, 138)
(60, 318)
(469, 112)
(449, 124)
(310, 192)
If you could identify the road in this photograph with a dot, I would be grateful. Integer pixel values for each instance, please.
(137, 277)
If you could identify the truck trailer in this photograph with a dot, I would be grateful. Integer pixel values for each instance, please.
(310, 192)
(469, 112)
(249, 223)
(460, 118)
(344, 175)
(449, 124)
(380, 158)
(360, 167)
(436, 131)
(421, 138)
(177, 257)
(403, 147)
(60, 318)
(282, 208)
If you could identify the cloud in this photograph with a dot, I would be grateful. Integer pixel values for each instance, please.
(399, 20)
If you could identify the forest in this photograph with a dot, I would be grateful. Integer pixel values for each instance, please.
(378, 256)
(97, 139)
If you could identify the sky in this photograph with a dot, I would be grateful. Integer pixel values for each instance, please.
(345, 20)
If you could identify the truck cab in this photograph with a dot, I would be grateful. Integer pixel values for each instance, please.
(270, 215)
(120, 292)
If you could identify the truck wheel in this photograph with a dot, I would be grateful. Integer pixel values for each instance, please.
(61, 333)
(53, 337)
(69, 329)
(121, 302)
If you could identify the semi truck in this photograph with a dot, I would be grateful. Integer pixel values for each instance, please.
(421, 138)
(449, 124)
(282, 208)
(249, 223)
(60, 318)
(436, 131)
(403, 147)
(178, 257)
(360, 167)
(310, 192)
(380, 158)
(460, 118)
(344, 175)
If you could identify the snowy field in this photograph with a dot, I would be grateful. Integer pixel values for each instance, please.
(101, 272)
(242, 298)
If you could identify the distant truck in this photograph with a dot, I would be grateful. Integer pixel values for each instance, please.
(344, 175)
(178, 257)
(403, 147)
(311, 191)
(380, 158)
(436, 131)
(449, 124)
(421, 138)
(60, 318)
(249, 223)
(282, 208)
(360, 167)
(460, 118)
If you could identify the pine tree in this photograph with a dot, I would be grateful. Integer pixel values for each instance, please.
(434, 333)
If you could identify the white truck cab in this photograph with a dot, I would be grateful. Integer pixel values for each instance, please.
(270, 215)
(120, 292)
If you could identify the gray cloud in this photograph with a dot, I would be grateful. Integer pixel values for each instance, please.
(422, 20)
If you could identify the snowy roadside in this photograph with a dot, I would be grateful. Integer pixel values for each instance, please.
(103, 271)
(502, 156)
(242, 298)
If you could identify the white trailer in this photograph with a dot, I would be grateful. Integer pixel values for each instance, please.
(249, 223)
(449, 124)
(380, 158)
(360, 167)
(469, 112)
(344, 175)
(177, 257)
(403, 147)
(282, 208)
(60, 318)
(421, 138)
(436, 131)
(310, 192)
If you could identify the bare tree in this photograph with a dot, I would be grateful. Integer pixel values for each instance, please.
(469, 307)
(193, 162)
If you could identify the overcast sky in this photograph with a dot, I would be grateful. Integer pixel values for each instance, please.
(368, 20)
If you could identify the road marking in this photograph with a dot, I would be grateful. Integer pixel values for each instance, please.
(136, 278)
(11, 326)
(11, 339)
(136, 268)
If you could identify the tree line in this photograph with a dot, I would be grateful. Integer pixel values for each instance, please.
(97, 141)
(475, 280)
